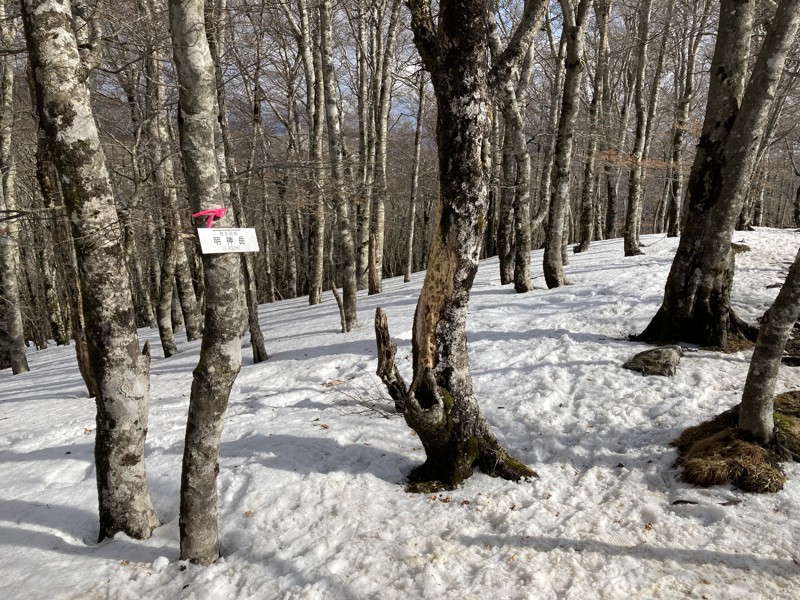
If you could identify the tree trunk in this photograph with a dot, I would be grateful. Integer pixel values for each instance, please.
(121, 370)
(384, 79)
(554, 114)
(696, 306)
(220, 354)
(344, 233)
(515, 262)
(505, 209)
(756, 410)
(9, 230)
(441, 405)
(612, 168)
(633, 214)
(365, 56)
(694, 37)
(412, 208)
(575, 23)
(64, 248)
(601, 12)
(215, 11)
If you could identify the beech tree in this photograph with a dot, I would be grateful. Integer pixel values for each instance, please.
(220, 353)
(756, 410)
(696, 306)
(346, 244)
(691, 37)
(602, 8)
(575, 23)
(121, 370)
(9, 234)
(441, 405)
(215, 9)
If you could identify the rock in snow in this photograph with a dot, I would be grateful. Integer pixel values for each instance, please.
(658, 361)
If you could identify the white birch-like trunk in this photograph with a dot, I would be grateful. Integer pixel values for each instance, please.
(9, 230)
(220, 355)
(344, 232)
(575, 23)
(120, 369)
(412, 207)
(384, 80)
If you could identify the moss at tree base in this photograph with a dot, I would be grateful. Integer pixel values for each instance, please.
(431, 477)
(716, 452)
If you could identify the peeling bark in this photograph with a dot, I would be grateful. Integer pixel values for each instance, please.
(441, 405)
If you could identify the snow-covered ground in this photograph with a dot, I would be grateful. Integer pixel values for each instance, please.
(311, 496)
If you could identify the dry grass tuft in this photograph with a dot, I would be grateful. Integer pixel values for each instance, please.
(714, 453)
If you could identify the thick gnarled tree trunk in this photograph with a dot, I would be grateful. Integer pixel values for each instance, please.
(441, 405)
(696, 306)
(220, 354)
(120, 369)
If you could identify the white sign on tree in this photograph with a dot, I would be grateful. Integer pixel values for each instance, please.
(218, 240)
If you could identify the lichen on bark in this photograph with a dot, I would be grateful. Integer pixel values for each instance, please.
(441, 405)
(121, 370)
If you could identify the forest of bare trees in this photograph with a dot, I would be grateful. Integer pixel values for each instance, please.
(326, 146)
(365, 139)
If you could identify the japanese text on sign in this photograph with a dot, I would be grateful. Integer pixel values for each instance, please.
(218, 241)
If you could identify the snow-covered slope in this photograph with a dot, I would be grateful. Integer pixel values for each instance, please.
(311, 492)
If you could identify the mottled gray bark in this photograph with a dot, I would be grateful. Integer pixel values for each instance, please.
(612, 167)
(515, 221)
(441, 404)
(587, 206)
(365, 56)
(696, 306)
(220, 355)
(384, 79)
(633, 214)
(686, 83)
(215, 11)
(554, 113)
(9, 229)
(412, 207)
(575, 23)
(346, 247)
(505, 208)
(756, 409)
(63, 246)
(120, 369)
